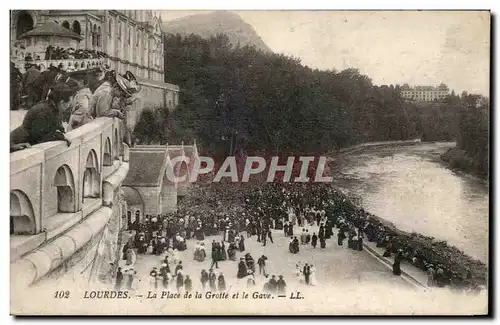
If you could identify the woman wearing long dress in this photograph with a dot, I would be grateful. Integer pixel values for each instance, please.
(231, 252)
(242, 244)
(196, 253)
(175, 256)
(242, 269)
(396, 266)
(312, 276)
(221, 283)
(129, 256)
(291, 246)
(203, 253)
(223, 251)
(250, 281)
(125, 250)
(298, 272)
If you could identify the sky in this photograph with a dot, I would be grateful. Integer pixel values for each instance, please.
(391, 47)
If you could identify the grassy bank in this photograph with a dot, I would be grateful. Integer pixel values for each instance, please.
(458, 159)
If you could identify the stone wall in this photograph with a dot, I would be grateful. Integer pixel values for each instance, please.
(155, 94)
(63, 240)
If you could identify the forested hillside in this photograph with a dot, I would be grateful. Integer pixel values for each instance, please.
(242, 98)
(472, 151)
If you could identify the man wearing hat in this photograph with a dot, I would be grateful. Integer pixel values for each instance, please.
(273, 285)
(131, 107)
(281, 285)
(106, 100)
(29, 85)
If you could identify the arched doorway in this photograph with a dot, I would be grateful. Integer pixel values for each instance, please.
(65, 184)
(76, 27)
(94, 35)
(168, 194)
(24, 23)
(107, 159)
(182, 169)
(134, 202)
(91, 178)
(22, 217)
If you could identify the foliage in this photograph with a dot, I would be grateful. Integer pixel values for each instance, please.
(472, 152)
(240, 98)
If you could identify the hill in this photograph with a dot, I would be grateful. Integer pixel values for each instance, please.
(211, 24)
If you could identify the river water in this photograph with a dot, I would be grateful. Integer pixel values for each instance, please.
(410, 187)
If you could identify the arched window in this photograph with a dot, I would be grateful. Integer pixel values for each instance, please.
(76, 27)
(98, 36)
(91, 178)
(22, 217)
(94, 36)
(137, 38)
(24, 23)
(65, 189)
(110, 28)
(65, 24)
(107, 158)
(116, 143)
(129, 35)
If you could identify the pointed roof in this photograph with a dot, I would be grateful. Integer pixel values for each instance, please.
(50, 28)
(146, 166)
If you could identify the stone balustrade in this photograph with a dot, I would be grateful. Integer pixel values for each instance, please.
(67, 64)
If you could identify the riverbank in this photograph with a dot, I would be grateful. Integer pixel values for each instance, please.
(457, 159)
(379, 144)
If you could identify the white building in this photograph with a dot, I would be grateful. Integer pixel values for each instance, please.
(424, 93)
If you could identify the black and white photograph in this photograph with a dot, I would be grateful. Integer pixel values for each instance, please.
(250, 162)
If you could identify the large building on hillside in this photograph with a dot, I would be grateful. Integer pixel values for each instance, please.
(132, 40)
(424, 93)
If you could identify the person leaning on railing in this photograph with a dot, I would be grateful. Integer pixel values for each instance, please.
(113, 97)
(43, 122)
(80, 106)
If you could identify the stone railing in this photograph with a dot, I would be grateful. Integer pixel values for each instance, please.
(61, 196)
(66, 64)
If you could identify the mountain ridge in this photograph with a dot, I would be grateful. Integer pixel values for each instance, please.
(211, 24)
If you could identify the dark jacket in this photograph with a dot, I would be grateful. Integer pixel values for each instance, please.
(39, 125)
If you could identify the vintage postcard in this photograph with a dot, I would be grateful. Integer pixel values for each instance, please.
(249, 162)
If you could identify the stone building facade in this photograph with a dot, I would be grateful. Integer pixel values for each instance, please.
(147, 188)
(424, 93)
(131, 39)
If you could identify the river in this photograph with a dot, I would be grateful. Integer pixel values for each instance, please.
(410, 187)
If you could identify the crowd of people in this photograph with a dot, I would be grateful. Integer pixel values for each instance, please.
(355, 224)
(56, 98)
(292, 208)
(166, 235)
(59, 53)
